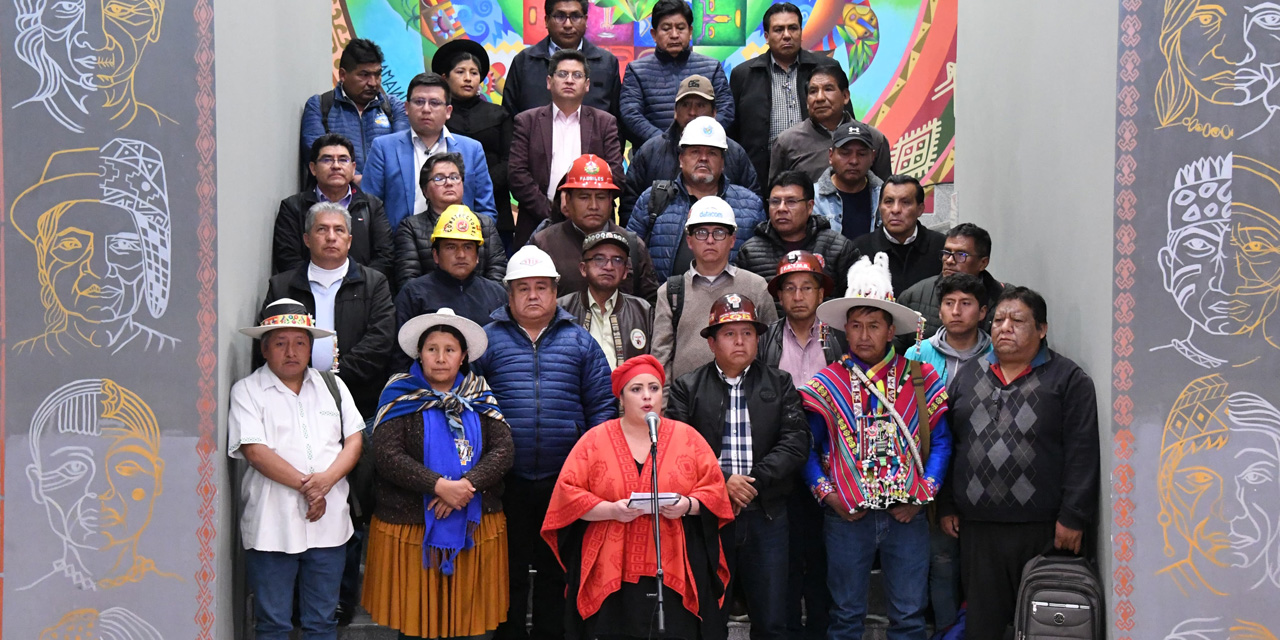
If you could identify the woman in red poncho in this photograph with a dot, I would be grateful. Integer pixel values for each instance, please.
(607, 548)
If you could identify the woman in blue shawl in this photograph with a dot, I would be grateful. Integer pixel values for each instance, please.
(437, 565)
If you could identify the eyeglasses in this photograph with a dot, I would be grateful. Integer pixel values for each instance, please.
(792, 289)
(452, 178)
(718, 233)
(958, 256)
(326, 161)
(422, 103)
(600, 261)
(791, 203)
(568, 17)
(565, 75)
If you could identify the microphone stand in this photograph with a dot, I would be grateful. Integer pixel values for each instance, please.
(657, 538)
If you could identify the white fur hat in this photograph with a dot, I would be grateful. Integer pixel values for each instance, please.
(870, 285)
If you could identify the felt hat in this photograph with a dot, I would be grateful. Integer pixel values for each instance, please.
(286, 313)
(477, 339)
(870, 285)
(442, 61)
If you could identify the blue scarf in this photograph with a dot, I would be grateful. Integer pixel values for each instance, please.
(452, 443)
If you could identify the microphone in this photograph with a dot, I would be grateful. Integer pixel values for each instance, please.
(651, 419)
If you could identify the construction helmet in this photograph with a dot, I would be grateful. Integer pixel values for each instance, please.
(531, 262)
(457, 223)
(704, 131)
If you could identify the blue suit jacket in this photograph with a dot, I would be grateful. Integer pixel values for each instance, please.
(390, 174)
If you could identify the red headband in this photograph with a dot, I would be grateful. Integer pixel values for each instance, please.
(634, 367)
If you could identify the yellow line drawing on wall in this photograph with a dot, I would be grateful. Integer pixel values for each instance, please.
(86, 53)
(1219, 629)
(1221, 55)
(116, 623)
(96, 469)
(1221, 259)
(99, 222)
(1219, 489)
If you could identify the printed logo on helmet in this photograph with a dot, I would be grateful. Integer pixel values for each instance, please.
(706, 129)
(461, 224)
(734, 300)
(793, 257)
(591, 168)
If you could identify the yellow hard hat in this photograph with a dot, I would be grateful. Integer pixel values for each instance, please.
(458, 223)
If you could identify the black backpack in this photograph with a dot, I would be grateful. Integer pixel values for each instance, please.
(360, 497)
(307, 180)
(1060, 598)
(663, 192)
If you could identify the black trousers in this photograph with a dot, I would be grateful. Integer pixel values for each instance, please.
(992, 555)
(807, 577)
(525, 503)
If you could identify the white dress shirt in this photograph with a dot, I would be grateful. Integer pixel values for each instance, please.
(420, 154)
(324, 288)
(566, 144)
(302, 428)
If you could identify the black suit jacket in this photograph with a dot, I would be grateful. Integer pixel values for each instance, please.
(779, 431)
(370, 232)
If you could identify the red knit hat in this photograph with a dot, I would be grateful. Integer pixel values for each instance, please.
(634, 367)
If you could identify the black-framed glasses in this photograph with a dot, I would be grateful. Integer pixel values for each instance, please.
(452, 178)
(601, 261)
(719, 233)
(568, 17)
(959, 256)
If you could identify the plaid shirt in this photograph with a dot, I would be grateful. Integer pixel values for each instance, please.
(786, 103)
(735, 453)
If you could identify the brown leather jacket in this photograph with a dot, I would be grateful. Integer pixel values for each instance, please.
(632, 318)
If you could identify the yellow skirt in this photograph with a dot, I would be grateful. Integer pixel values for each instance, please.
(400, 593)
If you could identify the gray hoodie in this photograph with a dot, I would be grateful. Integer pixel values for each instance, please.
(956, 358)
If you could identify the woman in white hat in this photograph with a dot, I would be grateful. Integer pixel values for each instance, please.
(437, 564)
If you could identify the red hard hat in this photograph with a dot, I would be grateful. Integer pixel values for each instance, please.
(589, 172)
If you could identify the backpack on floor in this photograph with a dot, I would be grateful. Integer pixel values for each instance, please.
(1060, 598)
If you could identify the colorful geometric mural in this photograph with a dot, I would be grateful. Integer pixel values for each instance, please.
(900, 54)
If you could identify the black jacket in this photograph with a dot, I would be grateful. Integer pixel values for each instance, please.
(770, 351)
(779, 432)
(632, 322)
(474, 299)
(491, 126)
(908, 263)
(752, 86)
(760, 254)
(526, 81)
(364, 319)
(370, 232)
(413, 248)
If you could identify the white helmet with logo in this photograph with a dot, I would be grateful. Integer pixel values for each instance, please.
(704, 131)
(531, 262)
(711, 210)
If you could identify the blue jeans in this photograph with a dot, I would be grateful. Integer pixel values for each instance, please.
(944, 577)
(757, 554)
(272, 575)
(904, 563)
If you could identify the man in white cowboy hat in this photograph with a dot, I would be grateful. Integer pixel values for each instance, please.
(301, 442)
(873, 464)
(686, 299)
(552, 381)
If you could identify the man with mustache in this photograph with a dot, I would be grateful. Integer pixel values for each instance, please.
(803, 146)
(702, 151)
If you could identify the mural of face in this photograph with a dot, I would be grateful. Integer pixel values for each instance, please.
(98, 220)
(96, 469)
(94, 263)
(1197, 260)
(1255, 234)
(83, 47)
(1219, 54)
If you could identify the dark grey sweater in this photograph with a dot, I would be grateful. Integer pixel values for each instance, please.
(1026, 451)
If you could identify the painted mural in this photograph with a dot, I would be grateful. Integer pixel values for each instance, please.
(107, 348)
(900, 54)
(1196, 477)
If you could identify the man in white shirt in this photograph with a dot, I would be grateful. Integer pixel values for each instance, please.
(301, 442)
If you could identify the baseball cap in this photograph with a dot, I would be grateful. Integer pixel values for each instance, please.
(696, 85)
(605, 237)
(854, 131)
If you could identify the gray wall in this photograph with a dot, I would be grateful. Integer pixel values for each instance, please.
(272, 56)
(1035, 111)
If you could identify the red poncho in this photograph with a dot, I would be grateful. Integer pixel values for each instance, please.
(600, 469)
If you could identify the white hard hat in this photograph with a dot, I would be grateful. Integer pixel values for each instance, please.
(530, 262)
(704, 131)
(711, 210)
